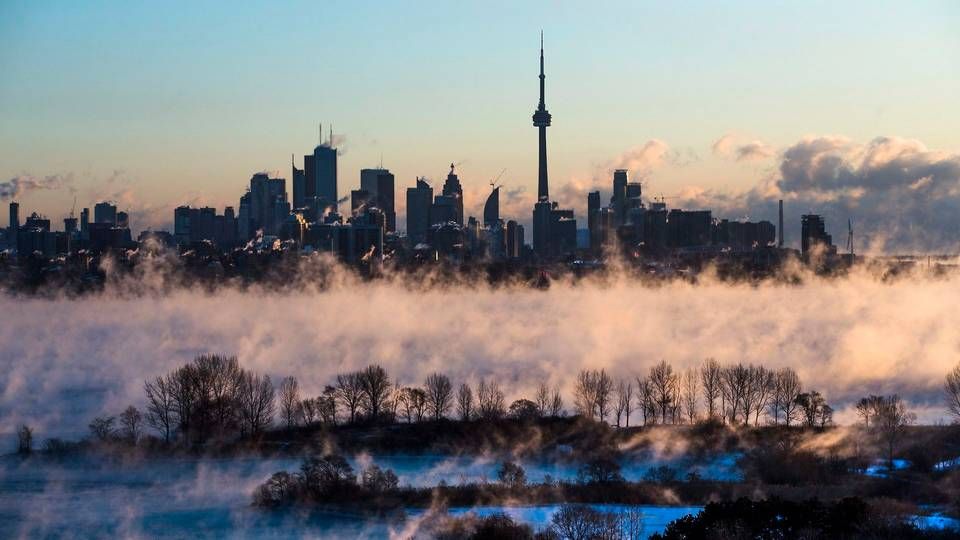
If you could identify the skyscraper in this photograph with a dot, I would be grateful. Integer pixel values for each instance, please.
(379, 184)
(491, 209)
(104, 212)
(419, 200)
(299, 185)
(325, 173)
(453, 190)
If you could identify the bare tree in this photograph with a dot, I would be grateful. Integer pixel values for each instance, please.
(309, 411)
(711, 380)
(24, 439)
(733, 395)
(868, 407)
(785, 390)
(556, 403)
(585, 393)
(418, 401)
(465, 402)
(350, 393)
(604, 386)
(257, 403)
(543, 399)
(690, 389)
(624, 402)
(161, 409)
(490, 400)
(102, 428)
(814, 408)
(663, 385)
(645, 401)
(290, 401)
(891, 422)
(327, 406)
(439, 395)
(952, 388)
(760, 388)
(131, 421)
(375, 386)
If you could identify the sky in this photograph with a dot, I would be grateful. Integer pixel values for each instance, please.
(159, 104)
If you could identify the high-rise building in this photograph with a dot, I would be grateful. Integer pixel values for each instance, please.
(85, 223)
(419, 199)
(813, 235)
(453, 190)
(325, 174)
(268, 204)
(491, 209)
(618, 201)
(104, 212)
(299, 179)
(14, 216)
(593, 215)
(379, 184)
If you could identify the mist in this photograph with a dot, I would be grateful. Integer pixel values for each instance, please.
(67, 360)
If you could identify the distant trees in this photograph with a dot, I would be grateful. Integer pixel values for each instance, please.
(891, 419)
(624, 402)
(375, 390)
(439, 395)
(131, 423)
(711, 379)
(491, 403)
(290, 406)
(690, 389)
(465, 402)
(784, 402)
(592, 394)
(350, 393)
(664, 386)
(209, 397)
(523, 409)
(512, 474)
(102, 428)
(816, 412)
(952, 388)
(868, 408)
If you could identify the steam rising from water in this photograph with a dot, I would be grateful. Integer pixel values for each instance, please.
(65, 361)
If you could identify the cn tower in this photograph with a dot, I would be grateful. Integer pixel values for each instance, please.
(541, 120)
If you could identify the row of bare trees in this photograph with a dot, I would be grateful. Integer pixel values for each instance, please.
(735, 393)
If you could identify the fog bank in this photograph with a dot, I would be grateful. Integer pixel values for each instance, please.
(65, 361)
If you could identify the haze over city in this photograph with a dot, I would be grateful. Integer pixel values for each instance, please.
(480, 270)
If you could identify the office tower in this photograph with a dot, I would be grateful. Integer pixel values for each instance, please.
(104, 212)
(359, 200)
(443, 210)
(268, 204)
(299, 180)
(14, 217)
(514, 240)
(813, 233)
(453, 190)
(244, 230)
(325, 173)
(70, 225)
(85, 223)
(619, 198)
(419, 199)
(123, 220)
(541, 228)
(491, 209)
(379, 184)
(541, 120)
(593, 211)
(780, 226)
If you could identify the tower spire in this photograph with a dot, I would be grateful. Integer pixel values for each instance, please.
(330, 139)
(541, 120)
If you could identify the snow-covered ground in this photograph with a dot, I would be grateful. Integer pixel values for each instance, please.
(880, 468)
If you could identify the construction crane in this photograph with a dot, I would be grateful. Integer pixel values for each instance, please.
(493, 183)
(73, 208)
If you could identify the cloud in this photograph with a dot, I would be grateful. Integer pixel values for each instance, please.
(19, 186)
(729, 146)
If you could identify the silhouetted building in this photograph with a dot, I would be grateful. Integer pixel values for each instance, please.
(299, 180)
(85, 223)
(192, 225)
(454, 191)
(359, 201)
(325, 173)
(104, 212)
(379, 184)
(618, 201)
(491, 208)
(744, 234)
(266, 206)
(443, 210)
(419, 200)
(514, 240)
(593, 211)
(813, 235)
(689, 228)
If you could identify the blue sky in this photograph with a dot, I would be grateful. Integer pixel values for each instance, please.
(170, 102)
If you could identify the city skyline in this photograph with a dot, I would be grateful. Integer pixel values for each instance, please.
(707, 163)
